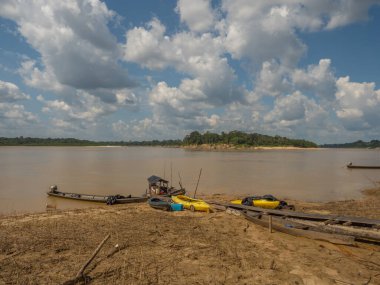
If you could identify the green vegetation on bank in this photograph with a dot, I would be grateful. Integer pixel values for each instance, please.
(27, 141)
(357, 144)
(234, 138)
(237, 138)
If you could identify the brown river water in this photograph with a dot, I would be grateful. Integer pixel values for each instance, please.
(310, 175)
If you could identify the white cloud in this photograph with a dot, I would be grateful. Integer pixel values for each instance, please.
(358, 104)
(173, 106)
(295, 110)
(15, 115)
(86, 108)
(319, 79)
(197, 14)
(345, 12)
(273, 79)
(266, 30)
(210, 81)
(74, 42)
(10, 92)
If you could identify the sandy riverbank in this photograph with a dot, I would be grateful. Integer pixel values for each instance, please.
(156, 247)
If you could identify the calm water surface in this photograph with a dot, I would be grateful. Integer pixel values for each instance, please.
(312, 175)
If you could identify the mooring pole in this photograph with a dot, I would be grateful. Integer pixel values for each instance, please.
(270, 223)
(199, 177)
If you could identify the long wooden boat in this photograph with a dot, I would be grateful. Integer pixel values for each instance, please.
(109, 199)
(337, 219)
(192, 204)
(350, 165)
(360, 234)
(300, 232)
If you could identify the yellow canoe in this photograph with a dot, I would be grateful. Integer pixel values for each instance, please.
(261, 203)
(192, 204)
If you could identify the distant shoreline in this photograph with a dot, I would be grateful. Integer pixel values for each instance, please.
(224, 147)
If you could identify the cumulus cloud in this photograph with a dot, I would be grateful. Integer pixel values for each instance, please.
(318, 79)
(209, 80)
(79, 62)
(358, 104)
(293, 110)
(197, 14)
(85, 108)
(266, 30)
(173, 106)
(75, 44)
(15, 115)
(10, 92)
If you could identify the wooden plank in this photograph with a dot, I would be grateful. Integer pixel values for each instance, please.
(332, 238)
(356, 221)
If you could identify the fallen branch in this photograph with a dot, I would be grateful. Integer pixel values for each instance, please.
(80, 275)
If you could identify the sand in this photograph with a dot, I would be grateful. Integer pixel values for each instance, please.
(149, 246)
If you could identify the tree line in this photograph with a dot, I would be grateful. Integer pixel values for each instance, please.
(28, 141)
(235, 138)
(238, 138)
(356, 144)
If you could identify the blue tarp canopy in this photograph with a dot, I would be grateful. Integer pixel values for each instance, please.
(155, 179)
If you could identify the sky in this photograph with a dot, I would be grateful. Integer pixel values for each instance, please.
(159, 69)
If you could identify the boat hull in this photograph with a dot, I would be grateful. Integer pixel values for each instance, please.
(362, 166)
(260, 203)
(192, 204)
(97, 198)
(159, 203)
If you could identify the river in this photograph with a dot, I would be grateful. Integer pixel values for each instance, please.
(311, 175)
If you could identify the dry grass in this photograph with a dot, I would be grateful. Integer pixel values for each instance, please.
(156, 247)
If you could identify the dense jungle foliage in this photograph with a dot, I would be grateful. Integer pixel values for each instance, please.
(235, 138)
(357, 144)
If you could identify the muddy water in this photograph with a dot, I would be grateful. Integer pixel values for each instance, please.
(312, 175)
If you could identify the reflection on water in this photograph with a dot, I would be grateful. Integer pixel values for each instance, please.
(313, 175)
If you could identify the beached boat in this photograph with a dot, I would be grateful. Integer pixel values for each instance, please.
(160, 203)
(109, 199)
(266, 201)
(158, 186)
(297, 230)
(325, 218)
(164, 203)
(350, 165)
(192, 204)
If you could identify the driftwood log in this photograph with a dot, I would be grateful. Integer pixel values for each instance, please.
(80, 275)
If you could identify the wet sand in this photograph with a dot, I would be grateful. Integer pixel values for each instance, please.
(156, 247)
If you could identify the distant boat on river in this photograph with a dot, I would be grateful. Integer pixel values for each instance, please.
(350, 165)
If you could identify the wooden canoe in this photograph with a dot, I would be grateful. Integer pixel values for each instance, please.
(110, 199)
(355, 221)
(363, 166)
(360, 234)
(300, 232)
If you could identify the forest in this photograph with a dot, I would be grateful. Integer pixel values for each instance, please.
(356, 144)
(234, 138)
(238, 138)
